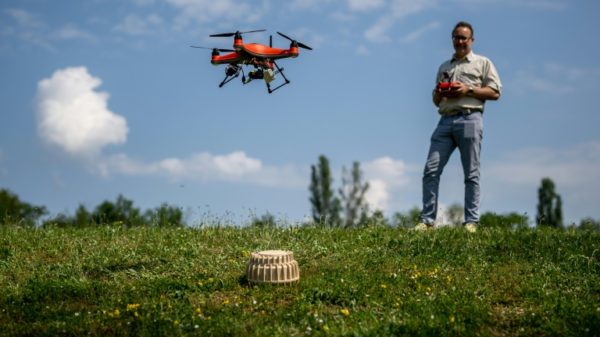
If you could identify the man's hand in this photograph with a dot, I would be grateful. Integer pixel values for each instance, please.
(460, 89)
(454, 89)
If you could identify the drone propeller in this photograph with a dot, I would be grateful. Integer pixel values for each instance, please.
(300, 44)
(219, 49)
(237, 32)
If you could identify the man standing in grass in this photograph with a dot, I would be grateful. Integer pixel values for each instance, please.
(464, 83)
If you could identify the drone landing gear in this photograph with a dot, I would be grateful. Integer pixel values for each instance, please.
(268, 75)
(279, 71)
(226, 80)
(231, 72)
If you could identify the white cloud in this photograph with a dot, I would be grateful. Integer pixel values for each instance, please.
(308, 4)
(135, 25)
(26, 26)
(70, 32)
(202, 11)
(364, 5)
(576, 166)
(143, 2)
(535, 4)
(304, 4)
(555, 78)
(377, 195)
(24, 18)
(392, 171)
(232, 167)
(75, 117)
(31, 28)
(398, 10)
(342, 17)
(362, 50)
(417, 34)
(353, 5)
(541, 4)
(574, 169)
(383, 175)
(378, 31)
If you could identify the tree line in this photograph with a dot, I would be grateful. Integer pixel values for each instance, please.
(348, 207)
(13, 211)
(345, 207)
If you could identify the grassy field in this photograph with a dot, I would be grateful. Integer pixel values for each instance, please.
(366, 282)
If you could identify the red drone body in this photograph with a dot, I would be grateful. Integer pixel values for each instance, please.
(260, 57)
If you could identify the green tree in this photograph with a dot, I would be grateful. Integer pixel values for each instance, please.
(13, 211)
(376, 219)
(60, 220)
(352, 195)
(511, 220)
(83, 217)
(407, 219)
(267, 220)
(165, 216)
(325, 205)
(549, 208)
(590, 224)
(121, 212)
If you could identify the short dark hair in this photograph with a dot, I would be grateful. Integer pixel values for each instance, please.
(464, 24)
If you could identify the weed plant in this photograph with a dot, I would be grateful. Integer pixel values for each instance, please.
(372, 281)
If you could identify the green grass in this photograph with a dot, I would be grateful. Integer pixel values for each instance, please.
(366, 282)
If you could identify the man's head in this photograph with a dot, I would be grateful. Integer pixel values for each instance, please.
(462, 39)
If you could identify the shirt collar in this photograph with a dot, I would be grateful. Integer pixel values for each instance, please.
(468, 58)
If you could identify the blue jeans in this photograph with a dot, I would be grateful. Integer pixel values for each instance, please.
(466, 133)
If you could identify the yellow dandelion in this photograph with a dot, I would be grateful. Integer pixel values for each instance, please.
(345, 312)
(452, 319)
(133, 307)
(225, 302)
(383, 286)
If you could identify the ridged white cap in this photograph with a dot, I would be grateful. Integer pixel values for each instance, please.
(272, 266)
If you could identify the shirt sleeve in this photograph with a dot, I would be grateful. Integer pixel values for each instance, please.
(491, 78)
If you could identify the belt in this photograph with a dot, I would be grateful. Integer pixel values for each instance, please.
(462, 112)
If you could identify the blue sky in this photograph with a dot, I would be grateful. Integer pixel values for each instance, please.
(104, 97)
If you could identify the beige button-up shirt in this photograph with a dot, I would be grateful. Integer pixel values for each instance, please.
(475, 70)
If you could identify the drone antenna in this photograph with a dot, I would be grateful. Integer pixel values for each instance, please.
(270, 40)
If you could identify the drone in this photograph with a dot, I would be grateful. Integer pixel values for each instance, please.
(258, 56)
